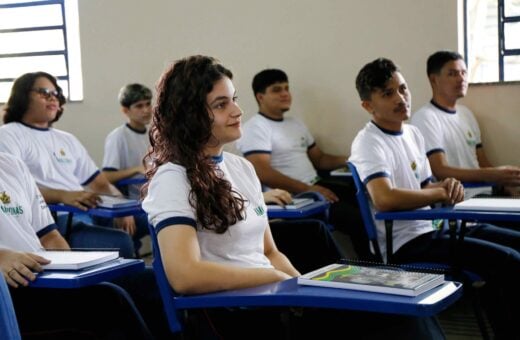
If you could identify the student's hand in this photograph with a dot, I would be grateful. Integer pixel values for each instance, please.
(282, 276)
(512, 191)
(328, 194)
(18, 267)
(278, 196)
(453, 189)
(139, 169)
(127, 224)
(83, 200)
(508, 175)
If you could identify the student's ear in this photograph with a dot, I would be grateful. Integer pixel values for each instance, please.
(125, 110)
(367, 105)
(433, 79)
(259, 96)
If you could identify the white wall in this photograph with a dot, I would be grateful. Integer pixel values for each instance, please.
(320, 44)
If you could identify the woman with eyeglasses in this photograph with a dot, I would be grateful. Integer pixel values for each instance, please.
(209, 214)
(57, 160)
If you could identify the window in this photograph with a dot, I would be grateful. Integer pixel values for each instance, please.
(40, 36)
(492, 42)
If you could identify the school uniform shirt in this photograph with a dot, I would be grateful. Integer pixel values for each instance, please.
(125, 147)
(24, 216)
(400, 157)
(456, 133)
(242, 244)
(286, 140)
(55, 158)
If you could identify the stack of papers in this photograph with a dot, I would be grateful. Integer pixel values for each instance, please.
(113, 202)
(75, 260)
(490, 204)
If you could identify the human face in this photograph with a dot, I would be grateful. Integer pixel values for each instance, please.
(390, 106)
(276, 100)
(222, 102)
(451, 83)
(42, 108)
(139, 114)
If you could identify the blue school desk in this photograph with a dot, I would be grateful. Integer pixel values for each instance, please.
(449, 213)
(311, 209)
(88, 276)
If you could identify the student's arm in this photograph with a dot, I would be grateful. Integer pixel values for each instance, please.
(189, 274)
(508, 175)
(483, 161)
(114, 176)
(277, 258)
(277, 196)
(18, 267)
(323, 161)
(275, 179)
(54, 240)
(387, 198)
(80, 199)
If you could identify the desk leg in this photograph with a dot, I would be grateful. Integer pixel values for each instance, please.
(389, 226)
(68, 227)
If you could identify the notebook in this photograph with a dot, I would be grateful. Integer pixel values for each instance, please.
(490, 204)
(75, 260)
(113, 202)
(378, 279)
(297, 203)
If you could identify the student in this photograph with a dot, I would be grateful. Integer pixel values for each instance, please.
(451, 132)
(57, 160)
(391, 159)
(126, 146)
(26, 226)
(207, 208)
(285, 154)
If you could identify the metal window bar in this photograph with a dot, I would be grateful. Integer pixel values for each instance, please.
(502, 50)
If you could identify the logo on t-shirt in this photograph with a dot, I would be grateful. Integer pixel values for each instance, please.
(413, 166)
(259, 210)
(470, 139)
(61, 157)
(6, 209)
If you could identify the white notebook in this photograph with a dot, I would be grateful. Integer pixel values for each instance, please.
(490, 204)
(113, 202)
(74, 260)
(296, 203)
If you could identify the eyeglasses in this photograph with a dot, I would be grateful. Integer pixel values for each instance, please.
(47, 93)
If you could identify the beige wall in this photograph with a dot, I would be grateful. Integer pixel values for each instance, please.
(321, 45)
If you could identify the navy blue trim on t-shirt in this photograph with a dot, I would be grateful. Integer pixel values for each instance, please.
(141, 132)
(270, 118)
(34, 127)
(91, 178)
(218, 159)
(432, 151)
(442, 108)
(479, 145)
(426, 181)
(376, 175)
(388, 132)
(110, 169)
(256, 151)
(311, 146)
(170, 221)
(46, 230)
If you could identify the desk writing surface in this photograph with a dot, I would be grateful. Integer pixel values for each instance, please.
(306, 211)
(288, 292)
(88, 276)
(450, 214)
(101, 212)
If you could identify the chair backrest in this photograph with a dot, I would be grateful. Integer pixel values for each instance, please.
(366, 213)
(167, 293)
(8, 324)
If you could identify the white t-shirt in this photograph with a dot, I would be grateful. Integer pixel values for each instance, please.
(125, 148)
(243, 243)
(401, 158)
(55, 158)
(287, 141)
(456, 133)
(24, 216)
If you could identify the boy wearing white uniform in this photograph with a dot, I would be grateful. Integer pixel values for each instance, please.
(451, 132)
(59, 163)
(126, 146)
(391, 160)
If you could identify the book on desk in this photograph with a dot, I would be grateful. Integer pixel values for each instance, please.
(378, 279)
(75, 260)
(296, 203)
(490, 204)
(114, 202)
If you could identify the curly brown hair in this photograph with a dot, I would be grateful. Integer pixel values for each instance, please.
(182, 129)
